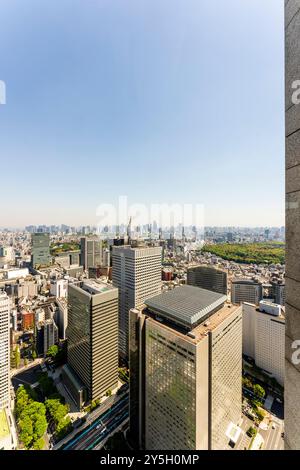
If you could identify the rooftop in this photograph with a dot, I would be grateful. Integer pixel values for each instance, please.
(206, 326)
(244, 280)
(186, 305)
(4, 428)
(95, 287)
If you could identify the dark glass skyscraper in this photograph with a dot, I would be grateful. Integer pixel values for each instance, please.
(93, 335)
(40, 249)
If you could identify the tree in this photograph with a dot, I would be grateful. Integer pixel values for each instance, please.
(252, 431)
(53, 351)
(31, 419)
(58, 413)
(260, 415)
(26, 431)
(38, 444)
(259, 391)
(34, 355)
(17, 357)
(25, 361)
(46, 384)
(247, 383)
(108, 393)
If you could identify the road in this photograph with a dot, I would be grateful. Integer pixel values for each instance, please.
(101, 427)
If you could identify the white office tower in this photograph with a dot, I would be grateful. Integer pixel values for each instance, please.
(4, 349)
(136, 271)
(264, 337)
(185, 370)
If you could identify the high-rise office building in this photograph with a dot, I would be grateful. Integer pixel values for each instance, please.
(40, 249)
(50, 334)
(185, 370)
(292, 304)
(264, 337)
(93, 335)
(278, 291)
(4, 350)
(91, 252)
(246, 290)
(137, 274)
(208, 278)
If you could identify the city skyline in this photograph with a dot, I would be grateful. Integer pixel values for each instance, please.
(156, 101)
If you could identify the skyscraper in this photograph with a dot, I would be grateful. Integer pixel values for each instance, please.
(91, 252)
(278, 291)
(40, 249)
(93, 335)
(4, 350)
(292, 106)
(185, 370)
(246, 290)
(137, 273)
(263, 337)
(208, 278)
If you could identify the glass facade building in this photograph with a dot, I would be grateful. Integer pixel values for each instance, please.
(40, 249)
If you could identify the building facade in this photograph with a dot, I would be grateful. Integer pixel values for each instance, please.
(246, 290)
(185, 370)
(264, 337)
(4, 350)
(137, 274)
(90, 252)
(278, 291)
(208, 278)
(50, 334)
(40, 249)
(292, 105)
(93, 335)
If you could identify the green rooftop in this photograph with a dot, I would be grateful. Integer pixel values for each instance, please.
(4, 428)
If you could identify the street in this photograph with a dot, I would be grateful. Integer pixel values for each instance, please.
(101, 427)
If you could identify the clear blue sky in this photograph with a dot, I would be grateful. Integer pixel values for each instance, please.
(162, 101)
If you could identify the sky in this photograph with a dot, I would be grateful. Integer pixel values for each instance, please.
(174, 101)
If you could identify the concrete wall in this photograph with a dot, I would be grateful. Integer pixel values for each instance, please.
(292, 371)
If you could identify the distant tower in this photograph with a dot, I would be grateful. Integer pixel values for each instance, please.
(160, 233)
(150, 231)
(129, 231)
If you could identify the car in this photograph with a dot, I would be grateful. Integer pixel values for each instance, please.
(98, 426)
